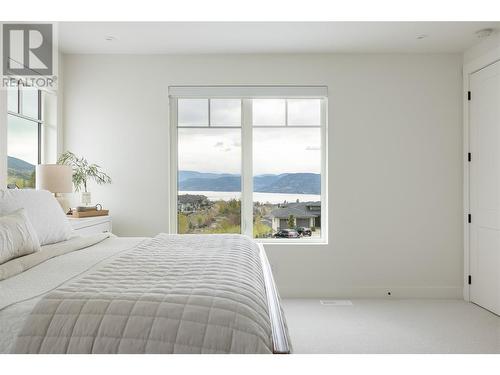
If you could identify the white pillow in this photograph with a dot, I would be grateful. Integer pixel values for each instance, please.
(17, 236)
(42, 209)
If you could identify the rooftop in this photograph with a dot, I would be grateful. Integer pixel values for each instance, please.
(300, 209)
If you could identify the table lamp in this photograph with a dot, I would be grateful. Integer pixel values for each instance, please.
(57, 179)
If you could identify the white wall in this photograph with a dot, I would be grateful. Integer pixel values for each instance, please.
(395, 168)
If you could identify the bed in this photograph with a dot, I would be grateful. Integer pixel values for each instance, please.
(167, 294)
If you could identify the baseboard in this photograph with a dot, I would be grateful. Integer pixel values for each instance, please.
(375, 292)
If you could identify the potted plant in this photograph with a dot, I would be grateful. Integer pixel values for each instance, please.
(83, 173)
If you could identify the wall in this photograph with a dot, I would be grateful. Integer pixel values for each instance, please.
(395, 160)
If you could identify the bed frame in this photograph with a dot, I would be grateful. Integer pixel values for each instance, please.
(281, 344)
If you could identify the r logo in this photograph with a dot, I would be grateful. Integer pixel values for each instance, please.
(27, 49)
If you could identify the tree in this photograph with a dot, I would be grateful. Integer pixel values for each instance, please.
(183, 223)
(199, 220)
(31, 182)
(291, 221)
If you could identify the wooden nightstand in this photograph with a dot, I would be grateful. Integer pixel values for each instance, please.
(91, 225)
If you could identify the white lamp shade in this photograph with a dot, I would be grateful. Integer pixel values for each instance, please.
(54, 178)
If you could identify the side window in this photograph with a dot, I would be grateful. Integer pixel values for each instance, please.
(24, 127)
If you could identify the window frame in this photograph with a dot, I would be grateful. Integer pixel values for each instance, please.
(38, 121)
(247, 153)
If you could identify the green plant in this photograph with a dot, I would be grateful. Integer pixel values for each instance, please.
(83, 172)
(291, 221)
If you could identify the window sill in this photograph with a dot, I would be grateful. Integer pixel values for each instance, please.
(291, 241)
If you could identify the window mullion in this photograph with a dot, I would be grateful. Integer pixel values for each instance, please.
(246, 169)
(324, 170)
(174, 166)
(39, 127)
(19, 99)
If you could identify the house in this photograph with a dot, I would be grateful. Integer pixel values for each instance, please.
(187, 203)
(306, 214)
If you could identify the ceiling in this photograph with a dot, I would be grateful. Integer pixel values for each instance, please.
(268, 37)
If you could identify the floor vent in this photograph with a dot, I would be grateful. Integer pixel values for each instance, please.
(336, 302)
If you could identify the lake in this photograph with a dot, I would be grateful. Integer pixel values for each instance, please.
(260, 197)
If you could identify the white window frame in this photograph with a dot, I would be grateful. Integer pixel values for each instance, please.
(246, 94)
(38, 121)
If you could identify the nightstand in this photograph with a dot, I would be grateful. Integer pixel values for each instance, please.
(91, 225)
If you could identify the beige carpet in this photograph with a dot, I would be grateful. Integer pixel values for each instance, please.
(392, 326)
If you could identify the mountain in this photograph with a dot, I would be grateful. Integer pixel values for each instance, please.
(185, 175)
(19, 165)
(264, 180)
(21, 173)
(226, 183)
(292, 183)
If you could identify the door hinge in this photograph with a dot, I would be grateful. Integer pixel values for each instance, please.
(469, 156)
(469, 218)
(470, 279)
(468, 95)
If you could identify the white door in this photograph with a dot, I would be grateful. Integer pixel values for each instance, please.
(484, 112)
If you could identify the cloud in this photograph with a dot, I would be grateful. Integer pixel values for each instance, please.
(222, 146)
(312, 148)
(274, 151)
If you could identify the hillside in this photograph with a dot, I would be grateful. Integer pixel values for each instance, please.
(231, 183)
(21, 173)
(19, 165)
(291, 183)
(186, 175)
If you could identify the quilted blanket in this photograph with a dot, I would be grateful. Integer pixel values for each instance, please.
(170, 294)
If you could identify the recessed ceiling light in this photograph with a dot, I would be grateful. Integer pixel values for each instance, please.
(484, 33)
(421, 36)
(110, 38)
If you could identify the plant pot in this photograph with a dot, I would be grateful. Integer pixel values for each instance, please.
(86, 198)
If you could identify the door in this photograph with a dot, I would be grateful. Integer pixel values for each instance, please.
(283, 224)
(303, 223)
(484, 112)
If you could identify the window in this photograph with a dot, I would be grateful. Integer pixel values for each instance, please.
(252, 165)
(24, 127)
(209, 161)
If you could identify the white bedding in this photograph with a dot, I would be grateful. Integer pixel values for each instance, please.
(170, 294)
(20, 293)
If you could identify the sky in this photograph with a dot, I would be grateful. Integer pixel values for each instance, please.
(22, 142)
(275, 149)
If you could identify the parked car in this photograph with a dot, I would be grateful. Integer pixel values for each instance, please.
(287, 233)
(306, 232)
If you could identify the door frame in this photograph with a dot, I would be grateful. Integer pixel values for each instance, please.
(475, 65)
